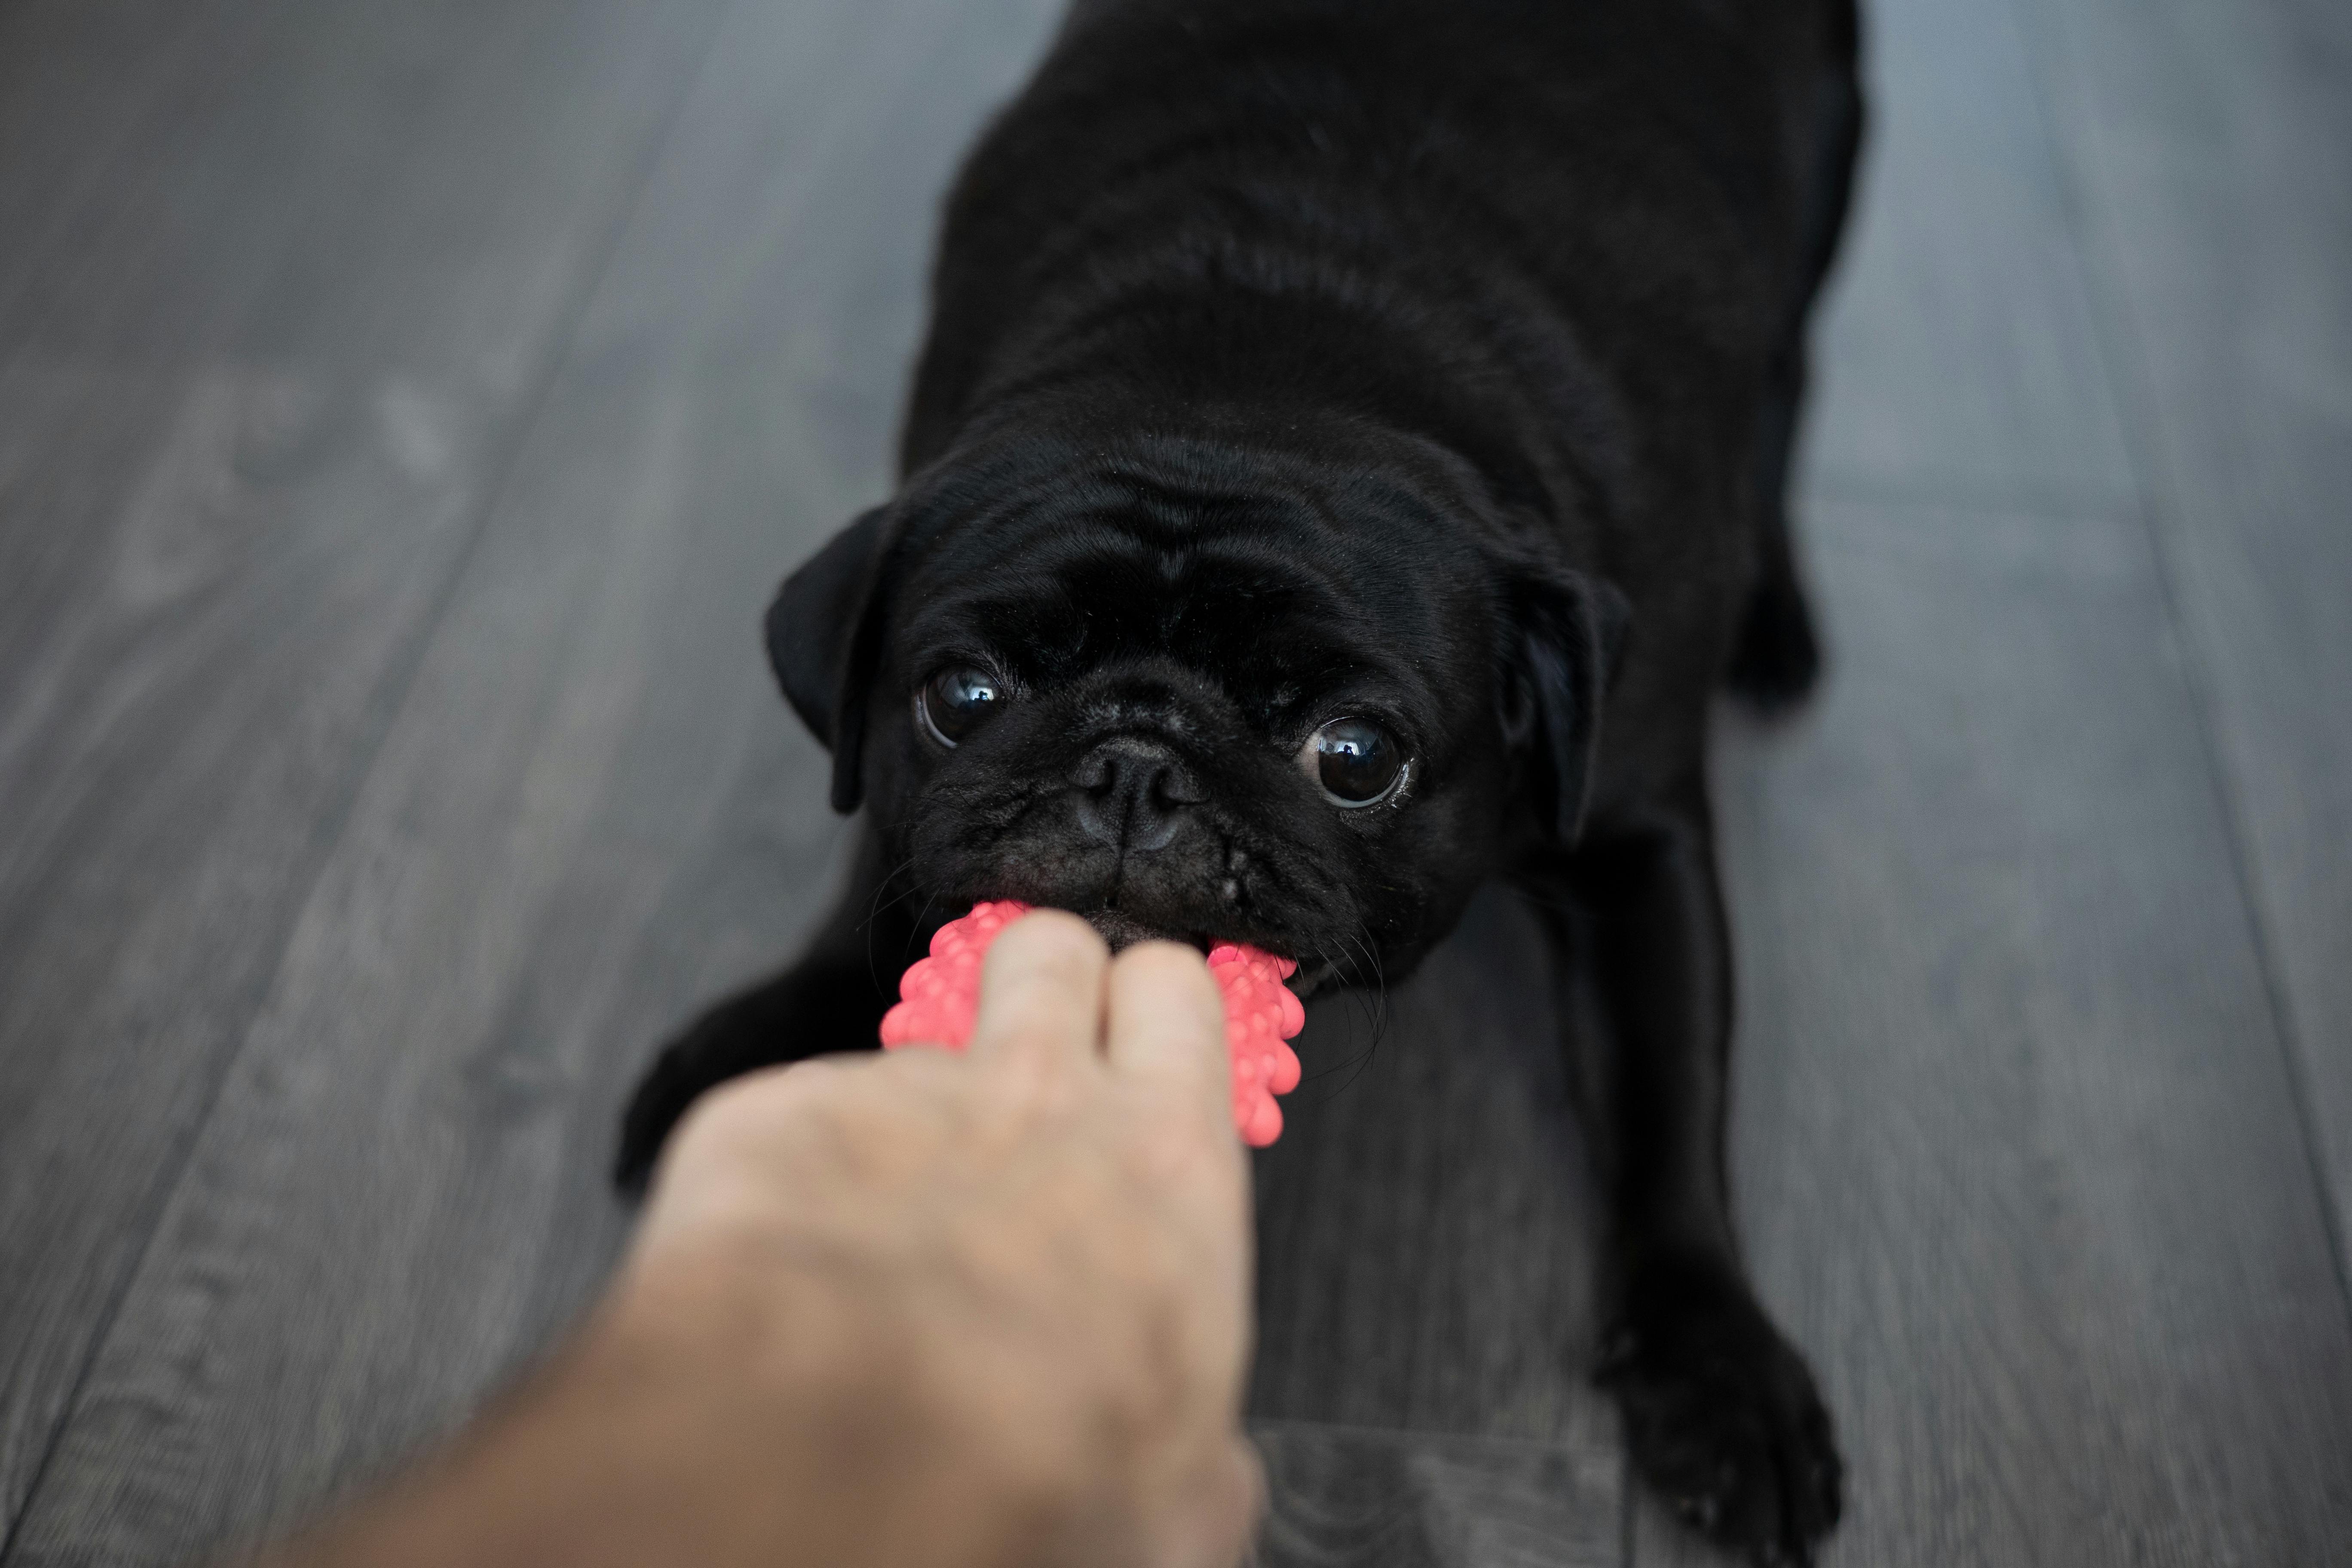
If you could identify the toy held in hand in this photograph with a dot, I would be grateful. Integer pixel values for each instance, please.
(939, 999)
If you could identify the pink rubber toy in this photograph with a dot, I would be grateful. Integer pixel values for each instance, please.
(939, 996)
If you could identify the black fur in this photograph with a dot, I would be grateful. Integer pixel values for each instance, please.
(1430, 361)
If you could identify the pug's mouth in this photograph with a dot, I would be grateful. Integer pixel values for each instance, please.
(1122, 930)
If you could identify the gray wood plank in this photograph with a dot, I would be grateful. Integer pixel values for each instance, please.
(221, 544)
(2212, 152)
(591, 813)
(2017, 1156)
(1956, 352)
(1355, 1497)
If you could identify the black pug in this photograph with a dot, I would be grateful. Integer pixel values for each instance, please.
(1348, 453)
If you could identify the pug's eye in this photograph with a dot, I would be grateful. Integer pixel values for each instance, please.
(1356, 760)
(951, 703)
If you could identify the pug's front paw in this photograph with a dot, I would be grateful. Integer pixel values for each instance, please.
(1721, 1414)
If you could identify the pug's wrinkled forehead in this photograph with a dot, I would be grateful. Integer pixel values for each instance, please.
(1046, 601)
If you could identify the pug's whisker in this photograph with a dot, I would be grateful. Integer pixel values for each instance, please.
(1379, 982)
(1355, 1059)
(877, 906)
(1376, 1010)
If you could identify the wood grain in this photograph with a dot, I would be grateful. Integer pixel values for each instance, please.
(234, 498)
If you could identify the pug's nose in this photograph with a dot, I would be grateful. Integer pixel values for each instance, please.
(1132, 795)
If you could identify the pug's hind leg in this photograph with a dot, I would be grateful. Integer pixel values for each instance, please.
(1776, 658)
(831, 1001)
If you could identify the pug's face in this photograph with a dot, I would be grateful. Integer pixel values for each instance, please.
(1188, 693)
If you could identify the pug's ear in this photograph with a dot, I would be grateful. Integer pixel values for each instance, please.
(1570, 630)
(825, 635)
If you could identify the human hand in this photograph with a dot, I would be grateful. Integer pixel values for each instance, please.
(1024, 1270)
(911, 1308)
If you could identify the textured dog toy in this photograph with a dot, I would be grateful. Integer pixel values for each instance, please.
(939, 998)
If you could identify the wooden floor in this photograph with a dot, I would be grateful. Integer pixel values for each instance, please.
(405, 410)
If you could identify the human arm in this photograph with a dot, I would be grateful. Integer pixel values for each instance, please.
(910, 1310)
